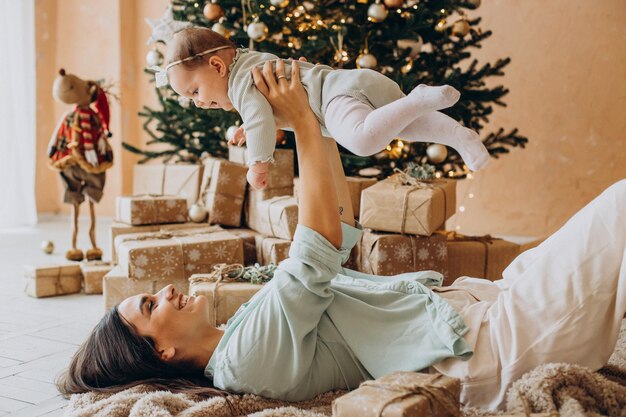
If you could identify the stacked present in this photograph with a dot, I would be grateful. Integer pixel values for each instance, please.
(65, 278)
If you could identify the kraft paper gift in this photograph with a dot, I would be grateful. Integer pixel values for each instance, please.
(51, 280)
(119, 228)
(116, 287)
(224, 297)
(227, 189)
(392, 254)
(281, 172)
(168, 179)
(248, 236)
(356, 185)
(402, 394)
(277, 217)
(177, 254)
(93, 274)
(151, 209)
(271, 250)
(418, 209)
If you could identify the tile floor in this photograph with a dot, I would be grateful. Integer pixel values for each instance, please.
(39, 336)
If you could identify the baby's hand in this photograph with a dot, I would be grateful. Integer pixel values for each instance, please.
(238, 138)
(258, 174)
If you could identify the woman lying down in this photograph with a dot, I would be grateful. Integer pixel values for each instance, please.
(316, 327)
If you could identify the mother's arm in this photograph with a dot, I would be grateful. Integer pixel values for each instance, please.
(318, 201)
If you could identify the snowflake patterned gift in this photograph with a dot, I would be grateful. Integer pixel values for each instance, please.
(116, 286)
(402, 394)
(181, 180)
(277, 217)
(151, 209)
(249, 244)
(177, 254)
(418, 209)
(271, 250)
(227, 189)
(281, 172)
(392, 254)
(93, 274)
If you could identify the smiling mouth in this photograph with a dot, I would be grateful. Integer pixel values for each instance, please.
(183, 301)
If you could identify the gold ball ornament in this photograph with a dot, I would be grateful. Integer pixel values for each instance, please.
(47, 246)
(213, 11)
(257, 31)
(377, 12)
(441, 25)
(221, 29)
(280, 3)
(154, 57)
(460, 28)
(437, 153)
(366, 60)
(197, 213)
(394, 4)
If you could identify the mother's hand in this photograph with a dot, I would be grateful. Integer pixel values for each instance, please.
(288, 98)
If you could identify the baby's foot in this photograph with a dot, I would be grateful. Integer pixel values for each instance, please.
(472, 150)
(435, 98)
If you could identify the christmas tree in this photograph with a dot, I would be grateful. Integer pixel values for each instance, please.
(411, 41)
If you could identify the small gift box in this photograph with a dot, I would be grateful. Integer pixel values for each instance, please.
(224, 295)
(419, 208)
(116, 287)
(177, 254)
(168, 179)
(281, 172)
(478, 256)
(402, 394)
(248, 236)
(271, 250)
(93, 274)
(356, 185)
(225, 194)
(119, 228)
(51, 280)
(393, 254)
(277, 217)
(151, 209)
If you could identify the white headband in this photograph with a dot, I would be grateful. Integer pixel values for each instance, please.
(160, 74)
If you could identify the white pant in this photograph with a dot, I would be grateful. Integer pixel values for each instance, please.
(562, 301)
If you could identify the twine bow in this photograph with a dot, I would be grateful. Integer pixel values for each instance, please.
(434, 394)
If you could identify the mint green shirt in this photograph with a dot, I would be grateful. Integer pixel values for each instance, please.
(316, 326)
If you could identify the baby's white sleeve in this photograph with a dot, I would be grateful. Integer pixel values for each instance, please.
(259, 125)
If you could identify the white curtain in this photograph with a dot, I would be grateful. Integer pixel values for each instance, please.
(17, 113)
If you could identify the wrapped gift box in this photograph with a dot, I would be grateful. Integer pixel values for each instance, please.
(249, 237)
(356, 185)
(254, 197)
(224, 298)
(415, 209)
(277, 217)
(93, 274)
(168, 179)
(402, 394)
(51, 280)
(392, 254)
(138, 210)
(271, 250)
(177, 254)
(281, 172)
(119, 228)
(116, 287)
(226, 192)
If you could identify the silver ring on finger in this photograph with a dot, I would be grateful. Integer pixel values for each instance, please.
(281, 76)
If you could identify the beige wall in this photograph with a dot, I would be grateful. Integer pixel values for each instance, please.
(567, 80)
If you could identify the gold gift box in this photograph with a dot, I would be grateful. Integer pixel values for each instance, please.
(224, 298)
(93, 274)
(225, 194)
(414, 209)
(271, 250)
(168, 179)
(51, 280)
(177, 255)
(393, 254)
(116, 287)
(402, 394)
(152, 209)
(281, 172)
(277, 217)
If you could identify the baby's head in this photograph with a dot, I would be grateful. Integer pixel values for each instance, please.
(202, 76)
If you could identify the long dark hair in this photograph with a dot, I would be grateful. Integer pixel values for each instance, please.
(114, 357)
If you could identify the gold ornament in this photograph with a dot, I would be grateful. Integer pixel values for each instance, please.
(377, 12)
(280, 3)
(47, 246)
(407, 68)
(441, 25)
(460, 28)
(220, 28)
(257, 31)
(197, 213)
(366, 60)
(394, 4)
(437, 153)
(213, 11)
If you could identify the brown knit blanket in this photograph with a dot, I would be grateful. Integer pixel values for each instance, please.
(561, 389)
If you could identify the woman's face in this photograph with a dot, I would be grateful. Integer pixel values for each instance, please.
(169, 317)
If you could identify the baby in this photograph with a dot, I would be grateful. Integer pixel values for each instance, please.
(361, 109)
